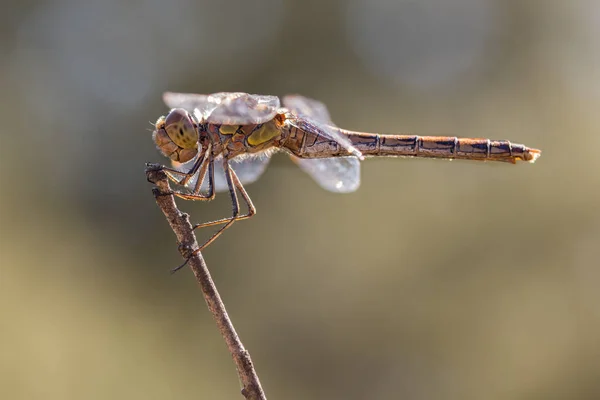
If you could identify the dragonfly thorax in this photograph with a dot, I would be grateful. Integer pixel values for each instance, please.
(176, 135)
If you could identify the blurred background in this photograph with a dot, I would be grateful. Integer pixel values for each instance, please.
(436, 280)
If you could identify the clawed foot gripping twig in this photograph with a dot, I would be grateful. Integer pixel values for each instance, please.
(180, 224)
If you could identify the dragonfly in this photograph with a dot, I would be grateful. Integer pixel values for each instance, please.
(223, 141)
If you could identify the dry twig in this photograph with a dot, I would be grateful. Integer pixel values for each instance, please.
(182, 228)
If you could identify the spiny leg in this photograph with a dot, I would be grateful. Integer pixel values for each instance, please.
(196, 195)
(186, 176)
(204, 163)
(251, 209)
(173, 173)
(234, 183)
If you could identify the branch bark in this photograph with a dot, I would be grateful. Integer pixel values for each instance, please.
(180, 224)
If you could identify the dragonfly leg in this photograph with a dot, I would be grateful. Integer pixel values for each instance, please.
(195, 194)
(186, 176)
(204, 164)
(234, 183)
(181, 177)
(235, 217)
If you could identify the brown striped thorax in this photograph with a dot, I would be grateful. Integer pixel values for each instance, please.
(177, 135)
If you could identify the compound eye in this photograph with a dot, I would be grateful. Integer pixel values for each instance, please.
(181, 129)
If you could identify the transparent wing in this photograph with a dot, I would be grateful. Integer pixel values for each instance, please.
(229, 108)
(336, 174)
(313, 114)
(311, 108)
(339, 174)
(187, 101)
(197, 104)
(242, 108)
(248, 169)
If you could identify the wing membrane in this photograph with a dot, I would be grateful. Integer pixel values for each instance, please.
(229, 108)
(248, 169)
(336, 174)
(242, 108)
(311, 108)
(188, 101)
(339, 174)
(313, 112)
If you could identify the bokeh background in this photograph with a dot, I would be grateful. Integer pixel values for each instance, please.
(436, 280)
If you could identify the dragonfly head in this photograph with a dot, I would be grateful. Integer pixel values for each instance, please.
(176, 135)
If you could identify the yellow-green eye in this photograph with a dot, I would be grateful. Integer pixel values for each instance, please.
(181, 129)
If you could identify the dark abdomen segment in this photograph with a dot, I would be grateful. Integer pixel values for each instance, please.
(371, 144)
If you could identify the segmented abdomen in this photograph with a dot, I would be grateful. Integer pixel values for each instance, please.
(307, 144)
(441, 147)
